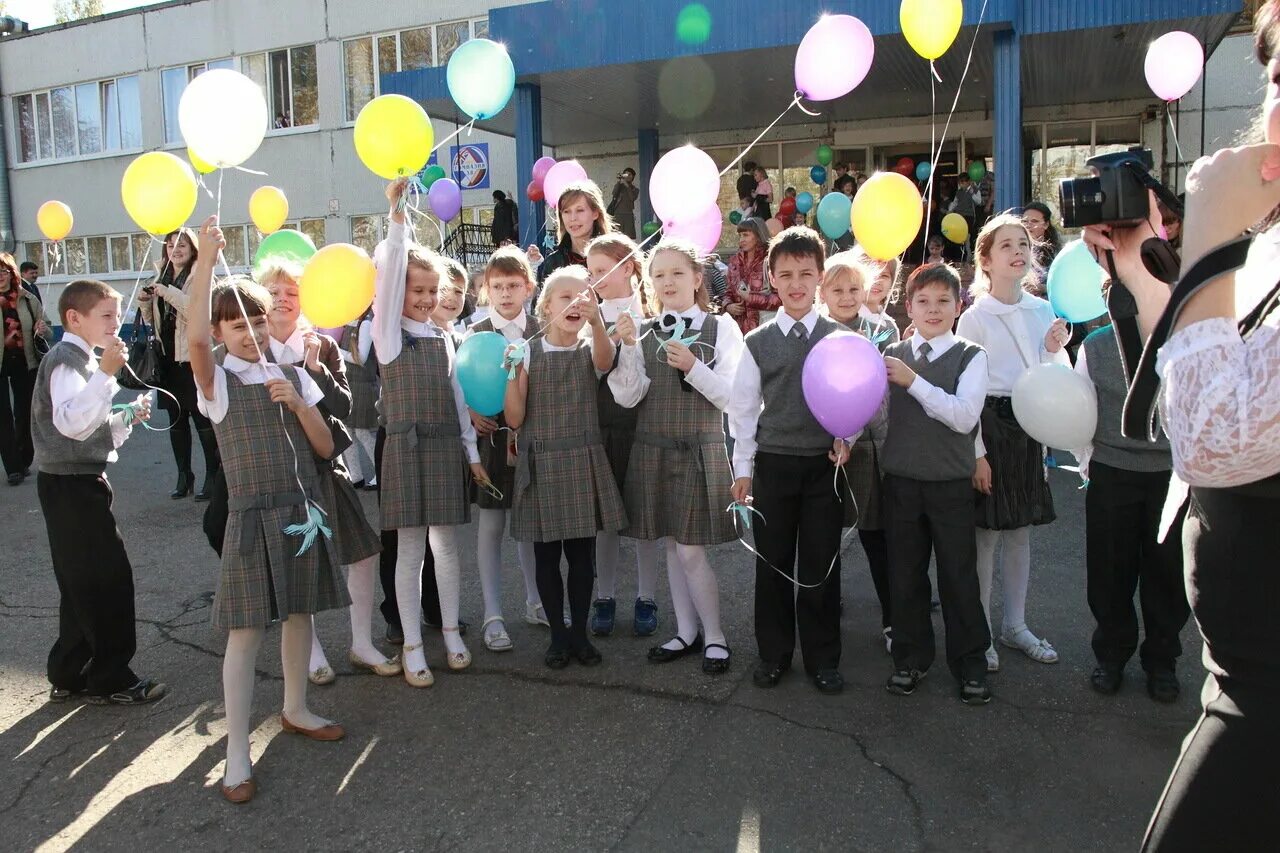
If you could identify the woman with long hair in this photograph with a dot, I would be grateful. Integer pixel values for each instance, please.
(1038, 219)
(582, 218)
(23, 322)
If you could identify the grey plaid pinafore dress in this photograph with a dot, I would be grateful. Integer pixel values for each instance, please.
(493, 448)
(425, 474)
(862, 508)
(353, 537)
(617, 428)
(678, 481)
(263, 579)
(364, 394)
(564, 488)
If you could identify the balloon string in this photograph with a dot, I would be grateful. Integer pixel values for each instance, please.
(956, 102)
(795, 101)
(933, 67)
(1173, 131)
(933, 137)
(467, 127)
(742, 523)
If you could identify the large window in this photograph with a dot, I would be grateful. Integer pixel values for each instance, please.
(287, 77)
(80, 120)
(366, 59)
(1067, 146)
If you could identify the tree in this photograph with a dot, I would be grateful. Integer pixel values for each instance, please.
(74, 10)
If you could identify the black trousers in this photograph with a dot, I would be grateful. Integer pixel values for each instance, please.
(180, 382)
(18, 381)
(387, 563)
(876, 544)
(580, 554)
(1122, 519)
(923, 518)
(96, 637)
(800, 536)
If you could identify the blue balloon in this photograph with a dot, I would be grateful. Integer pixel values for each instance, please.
(481, 78)
(833, 215)
(1075, 284)
(481, 374)
(804, 203)
(818, 174)
(923, 170)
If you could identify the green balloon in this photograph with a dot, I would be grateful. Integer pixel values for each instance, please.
(735, 217)
(431, 174)
(285, 243)
(825, 155)
(649, 229)
(977, 170)
(693, 24)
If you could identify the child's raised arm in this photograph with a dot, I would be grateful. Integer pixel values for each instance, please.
(393, 265)
(199, 299)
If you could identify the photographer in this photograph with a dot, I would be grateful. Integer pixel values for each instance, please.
(1220, 408)
(622, 207)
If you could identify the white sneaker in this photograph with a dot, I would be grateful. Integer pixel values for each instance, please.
(534, 614)
(993, 659)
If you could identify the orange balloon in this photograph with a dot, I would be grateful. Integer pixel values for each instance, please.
(55, 220)
(336, 285)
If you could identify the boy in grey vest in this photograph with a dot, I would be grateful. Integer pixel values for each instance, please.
(938, 384)
(76, 434)
(1128, 480)
(793, 459)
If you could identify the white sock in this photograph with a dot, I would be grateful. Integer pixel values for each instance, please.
(681, 599)
(237, 691)
(490, 527)
(988, 540)
(1015, 571)
(444, 547)
(318, 659)
(411, 550)
(360, 587)
(705, 593)
(529, 568)
(368, 440)
(646, 568)
(295, 642)
(608, 545)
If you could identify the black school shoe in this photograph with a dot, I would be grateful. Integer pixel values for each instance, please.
(828, 681)
(768, 674)
(717, 666)
(587, 654)
(975, 692)
(1106, 679)
(904, 682)
(142, 693)
(15, 479)
(659, 654)
(556, 657)
(1162, 685)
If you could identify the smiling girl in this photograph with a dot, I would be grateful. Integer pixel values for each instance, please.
(582, 216)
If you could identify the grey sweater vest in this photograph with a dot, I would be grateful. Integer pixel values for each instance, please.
(1102, 356)
(55, 453)
(916, 445)
(786, 425)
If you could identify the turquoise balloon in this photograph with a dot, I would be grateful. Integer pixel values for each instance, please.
(923, 170)
(285, 243)
(804, 202)
(1075, 284)
(481, 374)
(833, 215)
(481, 78)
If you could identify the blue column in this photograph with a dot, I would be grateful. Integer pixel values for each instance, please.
(1007, 87)
(528, 150)
(647, 157)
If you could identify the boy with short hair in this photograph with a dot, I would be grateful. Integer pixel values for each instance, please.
(938, 384)
(76, 435)
(793, 473)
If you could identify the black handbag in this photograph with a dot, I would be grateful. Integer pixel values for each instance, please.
(144, 367)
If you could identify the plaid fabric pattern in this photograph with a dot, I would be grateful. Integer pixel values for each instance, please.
(267, 582)
(563, 494)
(353, 537)
(493, 448)
(681, 493)
(617, 428)
(425, 476)
(364, 396)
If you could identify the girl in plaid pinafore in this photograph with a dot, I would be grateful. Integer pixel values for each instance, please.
(430, 440)
(678, 370)
(362, 374)
(266, 418)
(564, 491)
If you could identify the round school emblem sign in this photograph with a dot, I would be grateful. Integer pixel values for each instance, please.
(471, 166)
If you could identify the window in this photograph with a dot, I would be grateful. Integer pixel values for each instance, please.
(288, 79)
(120, 253)
(234, 254)
(313, 228)
(367, 231)
(449, 37)
(34, 252)
(72, 121)
(366, 59)
(143, 253)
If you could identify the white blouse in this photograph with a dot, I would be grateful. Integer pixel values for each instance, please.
(1012, 335)
(630, 382)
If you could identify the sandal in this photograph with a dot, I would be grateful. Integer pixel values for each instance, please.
(499, 640)
(1039, 650)
(716, 666)
(420, 678)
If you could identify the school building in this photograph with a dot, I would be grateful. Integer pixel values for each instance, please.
(614, 84)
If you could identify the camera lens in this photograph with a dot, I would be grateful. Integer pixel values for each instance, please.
(1081, 201)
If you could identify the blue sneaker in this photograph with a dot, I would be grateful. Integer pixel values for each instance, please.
(602, 610)
(1050, 461)
(646, 618)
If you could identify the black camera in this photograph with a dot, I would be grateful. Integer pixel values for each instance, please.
(1116, 195)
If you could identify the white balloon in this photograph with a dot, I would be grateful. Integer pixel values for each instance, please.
(223, 117)
(1056, 406)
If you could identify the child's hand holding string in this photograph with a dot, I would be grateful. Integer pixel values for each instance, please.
(142, 408)
(484, 426)
(625, 329)
(479, 474)
(311, 350)
(209, 242)
(680, 356)
(283, 392)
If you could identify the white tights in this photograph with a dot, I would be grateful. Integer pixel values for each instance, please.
(695, 595)
(608, 551)
(412, 550)
(491, 527)
(361, 464)
(1015, 570)
(360, 577)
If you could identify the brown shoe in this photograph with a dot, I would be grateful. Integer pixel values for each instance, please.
(240, 793)
(333, 731)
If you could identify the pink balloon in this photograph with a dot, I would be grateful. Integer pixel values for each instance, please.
(685, 178)
(702, 230)
(834, 57)
(1174, 63)
(540, 168)
(844, 382)
(560, 176)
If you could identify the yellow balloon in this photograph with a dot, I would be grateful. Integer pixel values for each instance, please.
(159, 192)
(955, 228)
(886, 215)
(268, 208)
(200, 165)
(393, 136)
(55, 220)
(930, 25)
(336, 286)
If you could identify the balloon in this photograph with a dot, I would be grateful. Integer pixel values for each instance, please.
(55, 220)
(481, 374)
(1075, 286)
(158, 191)
(804, 202)
(702, 230)
(285, 243)
(833, 215)
(685, 178)
(534, 191)
(445, 198)
(540, 168)
(1174, 62)
(833, 57)
(649, 228)
(223, 117)
(977, 170)
(200, 165)
(268, 208)
(923, 170)
(886, 215)
(431, 174)
(735, 216)
(825, 155)
(775, 226)
(844, 382)
(905, 167)
(393, 136)
(560, 176)
(693, 24)
(480, 78)
(336, 285)
(787, 206)
(818, 174)
(1056, 406)
(930, 25)
(955, 228)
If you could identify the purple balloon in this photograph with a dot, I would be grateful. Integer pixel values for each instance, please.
(834, 57)
(541, 167)
(844, 382)
(445, 198)
(702, 230)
